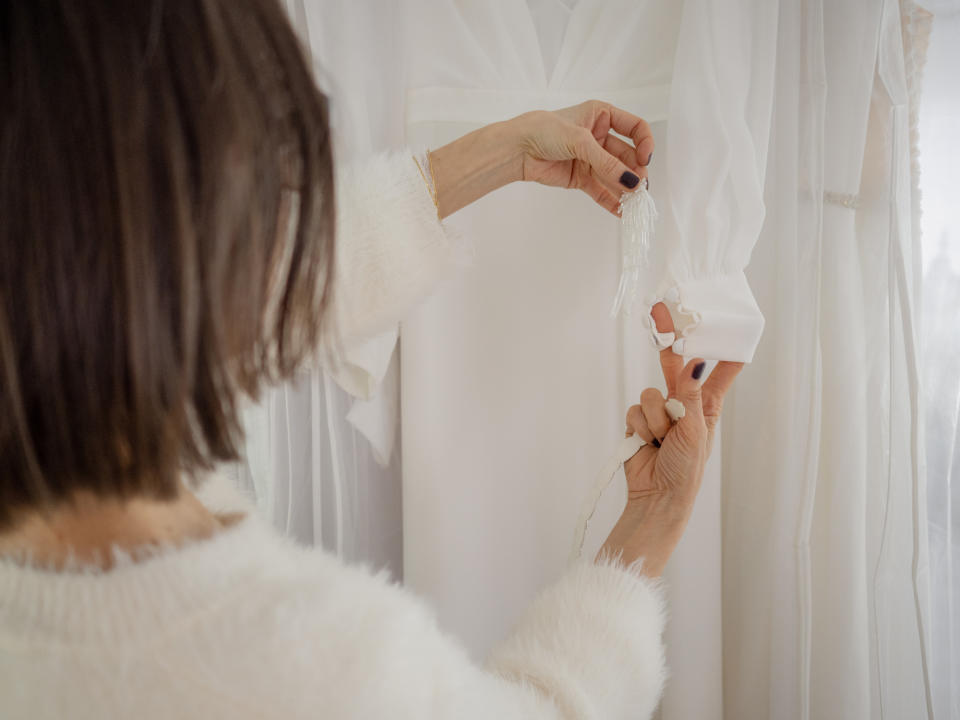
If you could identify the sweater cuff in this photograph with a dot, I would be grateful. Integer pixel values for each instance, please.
(715, 318)
(592, 642)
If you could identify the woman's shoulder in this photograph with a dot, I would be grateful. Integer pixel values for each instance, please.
(357, 640)
(242, 614)
(314, 583)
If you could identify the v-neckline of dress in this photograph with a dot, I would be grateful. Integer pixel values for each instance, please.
(549, 75)
(550, 78)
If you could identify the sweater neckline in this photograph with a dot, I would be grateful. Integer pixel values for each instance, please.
(137, 597)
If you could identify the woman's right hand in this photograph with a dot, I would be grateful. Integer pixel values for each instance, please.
(663, 478)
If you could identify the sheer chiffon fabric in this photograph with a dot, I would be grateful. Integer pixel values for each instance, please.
(321, 453)
(825, 554)
(939, 178)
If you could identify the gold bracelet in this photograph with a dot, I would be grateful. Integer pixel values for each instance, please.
(431, 186)
(436, 186)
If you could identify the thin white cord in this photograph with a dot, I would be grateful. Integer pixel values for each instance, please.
(628, 447)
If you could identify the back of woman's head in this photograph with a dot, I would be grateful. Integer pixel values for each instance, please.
(166, 224)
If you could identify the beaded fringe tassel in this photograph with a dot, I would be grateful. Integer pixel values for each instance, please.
(638, 215)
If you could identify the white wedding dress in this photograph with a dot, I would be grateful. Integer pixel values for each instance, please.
(515, 378)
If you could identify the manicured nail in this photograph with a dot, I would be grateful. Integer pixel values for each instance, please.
(628, 179)
(698, 370)
(649, 158)
(655, 443)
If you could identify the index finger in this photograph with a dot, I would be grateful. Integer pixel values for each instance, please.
(670, 362)
(635, 128)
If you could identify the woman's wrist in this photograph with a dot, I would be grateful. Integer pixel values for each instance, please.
(477, 163)
(649, 528)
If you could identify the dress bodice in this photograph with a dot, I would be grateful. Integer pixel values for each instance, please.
(491, 61)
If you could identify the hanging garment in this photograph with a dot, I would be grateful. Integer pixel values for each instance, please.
(825, 570)
(514, 373)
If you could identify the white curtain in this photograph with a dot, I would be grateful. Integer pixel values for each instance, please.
(323, 465)
(824, 608)
(316, 478)
(802, 588)
(826, 583)
(939, 179)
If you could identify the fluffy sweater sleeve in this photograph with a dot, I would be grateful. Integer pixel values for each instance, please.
(391, 251)
(588, 648)
(591, 643)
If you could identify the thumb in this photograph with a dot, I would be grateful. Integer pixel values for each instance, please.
(688, 389)
(607, 168)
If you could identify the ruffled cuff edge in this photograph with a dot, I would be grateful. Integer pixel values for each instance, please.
(714, 318)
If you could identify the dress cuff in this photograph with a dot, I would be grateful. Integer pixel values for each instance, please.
(363, 365)
(715, 318)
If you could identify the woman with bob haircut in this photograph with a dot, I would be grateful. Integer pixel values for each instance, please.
(172, 238)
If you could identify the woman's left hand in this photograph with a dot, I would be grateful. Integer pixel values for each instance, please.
(575, 148)
(664, 476)
(570, 148)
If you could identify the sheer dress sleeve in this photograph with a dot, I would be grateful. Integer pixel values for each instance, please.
(718, 129)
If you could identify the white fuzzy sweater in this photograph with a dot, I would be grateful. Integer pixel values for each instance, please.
(248, 625)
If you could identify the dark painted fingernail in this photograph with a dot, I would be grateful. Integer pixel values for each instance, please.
(649, 158)
(698, 370)
(628, 179)
(655, 443)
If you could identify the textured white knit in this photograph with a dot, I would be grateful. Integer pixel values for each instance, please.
(248, 625)
(391, 253)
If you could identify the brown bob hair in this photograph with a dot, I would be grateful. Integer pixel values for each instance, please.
(166, 237)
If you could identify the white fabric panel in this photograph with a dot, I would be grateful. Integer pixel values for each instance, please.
(515, 379)
(939, 180)
(321, 464)
(363, 366)
(314, 478)
(719, 126)
(824, 541)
